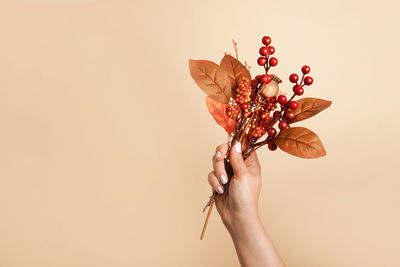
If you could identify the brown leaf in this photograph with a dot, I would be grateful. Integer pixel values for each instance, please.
(309, 107)
(211, 78)
(235, 70)
(300, 142)
(218, 111)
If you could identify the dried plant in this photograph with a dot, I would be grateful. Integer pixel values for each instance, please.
(249, 109)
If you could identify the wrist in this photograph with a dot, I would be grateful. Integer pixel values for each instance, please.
(240, 222)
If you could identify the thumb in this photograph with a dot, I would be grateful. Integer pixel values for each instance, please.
(238, 165)
(252, 163)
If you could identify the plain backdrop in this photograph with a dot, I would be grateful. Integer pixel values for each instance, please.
(105, 140)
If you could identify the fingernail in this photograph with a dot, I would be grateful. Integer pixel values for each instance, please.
(218, 154)
(223, 179)
(220, 189)
(238, 147)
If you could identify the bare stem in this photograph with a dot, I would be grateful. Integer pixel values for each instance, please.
(207, 218)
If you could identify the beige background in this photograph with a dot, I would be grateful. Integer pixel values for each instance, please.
(105, 141)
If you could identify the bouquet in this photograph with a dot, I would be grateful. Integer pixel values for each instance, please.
(255, 112)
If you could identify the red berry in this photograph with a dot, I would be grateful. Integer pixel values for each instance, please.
(265, 78)
(298, 90)
(289, 115)
(271, 50)
(282, 99)
(273, 61)
(258, 77)
(266, 40)
(293, 105)
(244, 106)
(283, 125)
(261, 61)
(264, 51)
(272, 146)
(254, 83)
(271, 132)
(293, 78)
(308, 80)
(276, 114)
(305, 69)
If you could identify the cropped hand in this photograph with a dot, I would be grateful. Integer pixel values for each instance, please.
(240, 199)
(238, 207)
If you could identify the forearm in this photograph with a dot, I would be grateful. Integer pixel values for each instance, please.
(252, 243)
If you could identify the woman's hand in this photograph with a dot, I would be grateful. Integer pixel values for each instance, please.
(238, 207)
(240, 201)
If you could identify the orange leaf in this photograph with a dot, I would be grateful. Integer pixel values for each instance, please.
(218, 111)
(211, 78)
(300, 142)
(235, 70)
(309, 107)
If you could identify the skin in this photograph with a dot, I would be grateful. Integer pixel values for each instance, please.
(238, 207)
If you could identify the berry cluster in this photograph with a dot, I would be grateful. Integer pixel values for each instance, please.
(266, 51)
(233, 111)
(260, 123)
(305, 80)
(287, 107)
(242, 99)
(243, 92)
(255, 101)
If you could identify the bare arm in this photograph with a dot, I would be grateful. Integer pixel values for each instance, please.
(238, 208)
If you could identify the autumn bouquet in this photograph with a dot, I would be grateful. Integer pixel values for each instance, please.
(254, 111)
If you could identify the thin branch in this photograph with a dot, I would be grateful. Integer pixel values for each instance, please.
(236, 49)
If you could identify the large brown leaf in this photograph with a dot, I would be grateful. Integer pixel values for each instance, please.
(235, 70)
(309, 107)
(211, 78)
(300, 142)
(218, 111)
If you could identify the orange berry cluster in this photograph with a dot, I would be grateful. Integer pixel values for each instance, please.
(257, 132)
(242, 99)
(260, 123)
(243, 92)
(234, 111)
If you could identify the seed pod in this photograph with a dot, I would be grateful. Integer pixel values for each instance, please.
(271, 89)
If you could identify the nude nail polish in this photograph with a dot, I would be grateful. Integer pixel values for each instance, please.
(220, 189)
(223, 179)
(238, 147)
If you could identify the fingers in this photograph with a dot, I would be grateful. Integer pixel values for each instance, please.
(237, 162)
(213, 181)
(219, 165)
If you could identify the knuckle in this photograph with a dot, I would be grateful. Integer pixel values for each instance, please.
(213, 180)
(235, 158)
(217, 173)
(219, 159)
(220, 147)
(210, 176)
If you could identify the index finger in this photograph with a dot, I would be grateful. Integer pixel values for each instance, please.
(219, 164)
(220, 152)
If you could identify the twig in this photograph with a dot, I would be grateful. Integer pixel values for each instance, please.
(236, 49)
(208, 217)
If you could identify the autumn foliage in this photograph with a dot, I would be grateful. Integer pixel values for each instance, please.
(220, 83)
(254, 111)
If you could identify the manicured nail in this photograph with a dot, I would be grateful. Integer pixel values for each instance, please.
(238, 147)
(220, 189)
(217, 155)
(223, 179)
